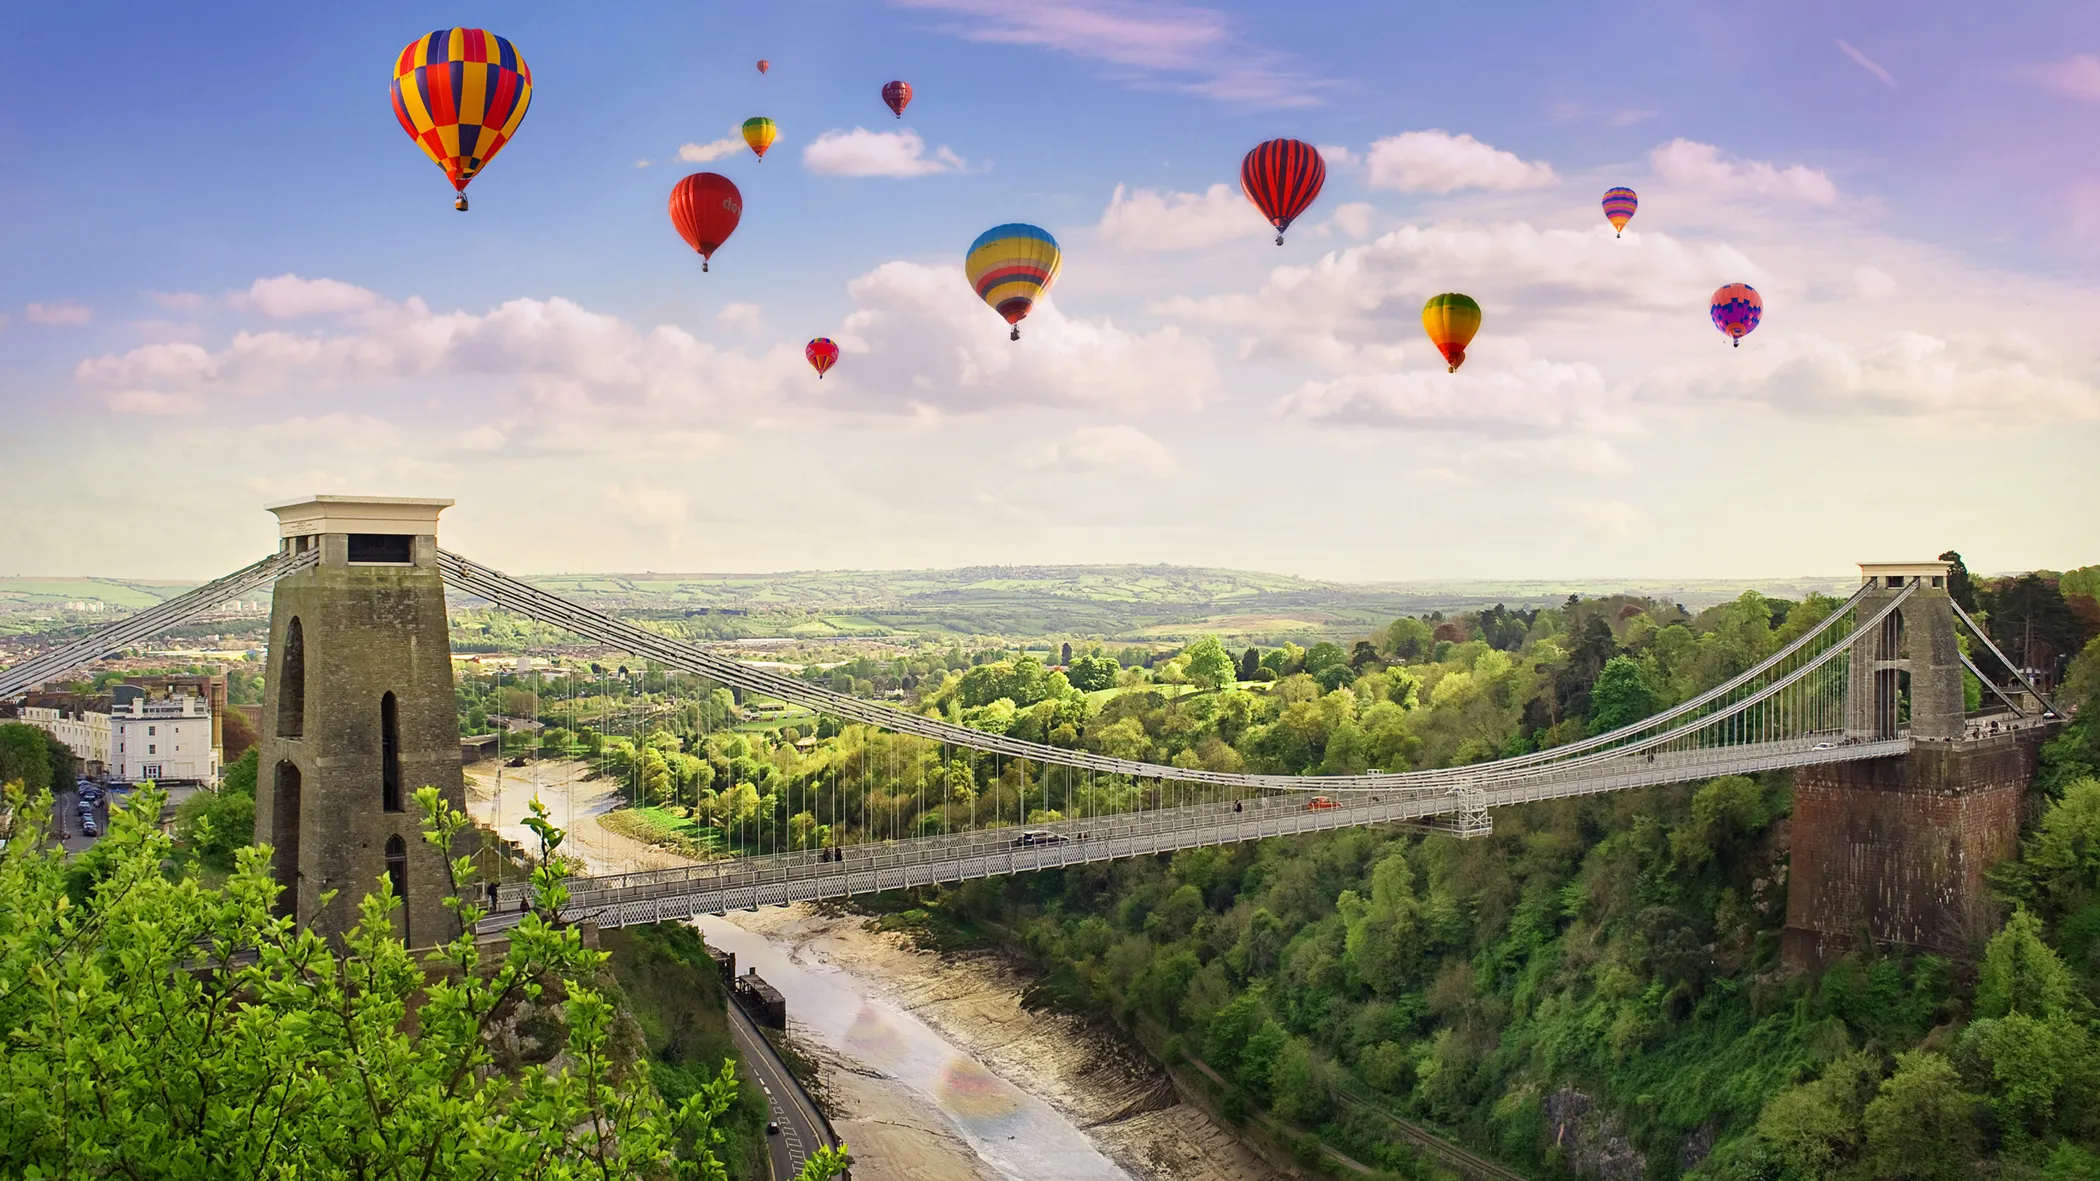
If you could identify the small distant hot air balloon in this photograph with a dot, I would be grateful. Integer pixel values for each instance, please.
(897, 95)
(764, 65)
(460, 94)
(1282, 177)
(1451, 320)
(822, 355)
(1736, 309)
(760, 133)
(1619, 205)
(1012, 266)
(705, 208)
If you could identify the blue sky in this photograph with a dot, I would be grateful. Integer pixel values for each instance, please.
(229, 272)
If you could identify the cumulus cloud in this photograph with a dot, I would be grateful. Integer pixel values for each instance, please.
(1122, 448)
(289, 297)
(153, 402)
(1150, 219)
(1701, 166)
(1532, 398)
(861, 152)
(2077, 77)
(1339, 156)
(710, 151)
(1165, 44)
(1440, 162)
(928, 341)
(744, 319)
(62, 314)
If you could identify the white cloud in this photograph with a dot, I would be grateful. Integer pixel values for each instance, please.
(1867, 63)
(861, 152)
(1530, 399)
(1354, 219)
(922, 338)
(712, 150)
(1701, 166)
(153, 402)
(2077, 77)
(1122, 448)
(62, 314)
(1151, 219)
(289, 297)
(642, 163)
(1439, 162)
(1163, 44)
(1339, 156)
(744, 319)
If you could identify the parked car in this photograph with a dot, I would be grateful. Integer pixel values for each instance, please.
(89, 794)
(87, 827)
(1320, 804)
(772, 1127)
(1039, 837)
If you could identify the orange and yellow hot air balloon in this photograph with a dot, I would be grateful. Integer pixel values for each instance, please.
(759, 132)
(460, 94)
(1451, 320)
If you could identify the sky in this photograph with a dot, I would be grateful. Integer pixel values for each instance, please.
(228, 278)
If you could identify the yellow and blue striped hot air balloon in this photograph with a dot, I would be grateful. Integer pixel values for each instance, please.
(1012, 266)
(460, 94)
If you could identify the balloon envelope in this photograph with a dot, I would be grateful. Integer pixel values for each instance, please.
(1282, 177)
(1736, 309)
(764, 65)
(897, 95)
(1451, 320)
(759, 132)
(705, 208)
(460, 94)
(1012, 266)
(1619, 205)
(822, 354)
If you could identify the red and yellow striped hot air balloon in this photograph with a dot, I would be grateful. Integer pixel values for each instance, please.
(460, 94)
(759, 134)
(1012, 266)
(822, 354)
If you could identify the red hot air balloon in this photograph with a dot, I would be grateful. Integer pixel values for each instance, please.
(705, 208)
(1282, 177)
(764, 65)
(822, 355)
(897, 95)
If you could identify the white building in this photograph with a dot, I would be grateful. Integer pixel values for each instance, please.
(84, 733)
(166, 739)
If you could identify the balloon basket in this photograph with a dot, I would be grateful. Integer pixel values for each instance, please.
(461, 203)
(1016, 333)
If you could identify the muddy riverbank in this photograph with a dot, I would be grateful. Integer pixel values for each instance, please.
(1120, 1100)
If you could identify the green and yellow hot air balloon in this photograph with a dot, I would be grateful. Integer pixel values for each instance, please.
(760, 133)
(1451, 320)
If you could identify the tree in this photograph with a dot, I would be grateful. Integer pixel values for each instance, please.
(1209, 665)
(1065, 654)
(1922, 1126)
(1090, 673)
(1960, 587)
(1324, 655)
(1364, 653)
(233, 1044)
(1408, 639)
(2019, 973)
(25, 757)
(1621, 696)
(1250, 664)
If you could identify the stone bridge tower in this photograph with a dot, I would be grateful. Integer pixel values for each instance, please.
(1892, 851)
(358, 712)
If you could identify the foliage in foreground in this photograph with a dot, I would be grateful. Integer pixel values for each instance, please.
(164, 1028)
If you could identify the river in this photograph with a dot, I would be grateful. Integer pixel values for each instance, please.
(936, 1072)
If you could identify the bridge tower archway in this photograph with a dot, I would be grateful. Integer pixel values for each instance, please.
(1909, 675)
(360, 653)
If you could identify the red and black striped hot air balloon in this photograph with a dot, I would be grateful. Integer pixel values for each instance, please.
(898, 95)
(1282, 177)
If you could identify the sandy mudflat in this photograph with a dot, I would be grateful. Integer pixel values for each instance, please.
(1120, 1099)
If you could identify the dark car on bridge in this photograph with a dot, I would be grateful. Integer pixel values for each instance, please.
(1039, 837)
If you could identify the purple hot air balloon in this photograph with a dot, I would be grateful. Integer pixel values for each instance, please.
(1736, 309)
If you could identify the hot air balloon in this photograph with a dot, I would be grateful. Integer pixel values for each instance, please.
(460, 94)
(705, 208)
(1282, 177)
(822, 355)
(759, 132)
(1451, 320)
(897, 95)
(1012, 266)
(764, 65)
(1736, 309)
(1619, 205)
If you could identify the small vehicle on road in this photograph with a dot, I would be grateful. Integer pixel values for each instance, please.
(1826, 746)
(87, 827)
(1320, 804)
(772, 1127)
(1034, 837)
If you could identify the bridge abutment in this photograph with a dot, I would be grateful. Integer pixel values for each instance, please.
(359, 712)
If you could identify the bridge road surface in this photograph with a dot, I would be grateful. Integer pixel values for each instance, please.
(801, 1130)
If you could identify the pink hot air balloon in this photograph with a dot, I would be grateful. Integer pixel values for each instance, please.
(897, 95)
(1736, 309)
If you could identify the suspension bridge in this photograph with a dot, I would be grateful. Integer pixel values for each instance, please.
(360, 690)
